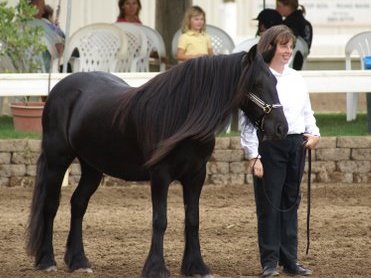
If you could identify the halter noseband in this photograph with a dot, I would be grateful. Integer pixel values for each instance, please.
(267, 108)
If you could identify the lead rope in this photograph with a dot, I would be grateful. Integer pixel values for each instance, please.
(309, 198)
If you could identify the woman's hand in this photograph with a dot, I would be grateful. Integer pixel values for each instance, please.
(256, 167)
(312, 141)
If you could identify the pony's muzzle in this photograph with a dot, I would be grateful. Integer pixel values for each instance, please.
(278, 133)
(281, 131)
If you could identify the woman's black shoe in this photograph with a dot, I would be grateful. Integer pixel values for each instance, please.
(297, 270)
(269, 271)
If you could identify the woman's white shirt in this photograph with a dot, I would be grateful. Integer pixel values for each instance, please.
(294, 97)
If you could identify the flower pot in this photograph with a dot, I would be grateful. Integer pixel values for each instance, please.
(27, 116)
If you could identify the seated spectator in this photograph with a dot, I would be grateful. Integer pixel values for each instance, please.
(53, 40)
(49, 19)
(129, 11)
(194, 41)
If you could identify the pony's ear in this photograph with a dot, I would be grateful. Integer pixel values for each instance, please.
(268, 55)
(250, 56)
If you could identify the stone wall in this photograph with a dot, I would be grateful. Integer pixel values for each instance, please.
(336, 160)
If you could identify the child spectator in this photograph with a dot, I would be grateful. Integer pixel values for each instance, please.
(194, 41)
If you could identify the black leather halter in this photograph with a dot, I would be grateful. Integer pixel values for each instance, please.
(267, 108)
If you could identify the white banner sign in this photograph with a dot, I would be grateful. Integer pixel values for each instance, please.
(331, 12)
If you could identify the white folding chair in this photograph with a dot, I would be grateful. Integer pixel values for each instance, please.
(137, 59)
(221, 42)
(361, 44)
(99, 46)
(155, 43)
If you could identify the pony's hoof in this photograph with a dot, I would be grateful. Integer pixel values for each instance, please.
(52, 268)
(84, 270)
(203, 276)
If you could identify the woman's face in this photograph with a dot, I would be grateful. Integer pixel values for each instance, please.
(197, 22)
(131, 7)
(283, 53)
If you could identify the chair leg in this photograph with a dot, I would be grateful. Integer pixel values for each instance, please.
(352, 102)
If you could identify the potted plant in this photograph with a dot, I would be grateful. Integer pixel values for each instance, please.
(23, 45)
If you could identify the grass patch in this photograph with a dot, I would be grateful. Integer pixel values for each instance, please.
(330, 124)
(334, 124)
(7, 130)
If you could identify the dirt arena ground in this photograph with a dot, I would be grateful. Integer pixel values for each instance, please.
(117, 227)
(117, 231)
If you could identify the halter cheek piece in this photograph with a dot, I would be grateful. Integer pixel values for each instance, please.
(267, 108)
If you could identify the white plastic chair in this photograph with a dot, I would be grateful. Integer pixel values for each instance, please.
(246, 45)
(54, 55)
(221, 42)
(137, 59)
(99, 45)
(361, 44)
(155, 43)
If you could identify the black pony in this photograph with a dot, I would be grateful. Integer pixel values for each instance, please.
(162, 131)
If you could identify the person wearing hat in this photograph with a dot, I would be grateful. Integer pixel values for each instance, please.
(266, 19)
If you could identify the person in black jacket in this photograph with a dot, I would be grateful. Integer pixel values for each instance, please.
(266, 19)
(293, 14)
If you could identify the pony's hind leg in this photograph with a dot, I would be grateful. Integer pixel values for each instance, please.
(45, 203)
(154, 266)
(75, 257)
(193, 263)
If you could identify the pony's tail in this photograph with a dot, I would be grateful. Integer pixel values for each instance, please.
(35, 229)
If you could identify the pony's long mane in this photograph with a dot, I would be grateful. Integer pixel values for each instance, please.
(191, 101)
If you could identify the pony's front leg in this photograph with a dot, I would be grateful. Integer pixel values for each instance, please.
(154, 266)
(75, 256)
(193, 263)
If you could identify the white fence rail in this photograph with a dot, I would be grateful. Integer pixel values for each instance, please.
(37, 84)
(333, 81)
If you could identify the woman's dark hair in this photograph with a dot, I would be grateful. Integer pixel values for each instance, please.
(294, 4)
(48, 12)
(279, 34)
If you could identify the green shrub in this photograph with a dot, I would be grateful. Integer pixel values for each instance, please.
(19, 40)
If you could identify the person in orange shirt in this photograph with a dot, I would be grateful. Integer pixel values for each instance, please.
(129, 11)
(194, 41)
